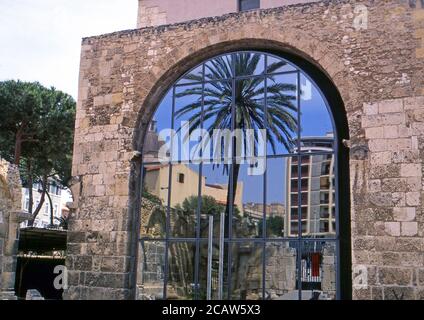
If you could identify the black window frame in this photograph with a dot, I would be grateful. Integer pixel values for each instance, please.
(299, 153)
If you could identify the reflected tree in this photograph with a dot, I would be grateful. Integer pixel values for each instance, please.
(279, 119)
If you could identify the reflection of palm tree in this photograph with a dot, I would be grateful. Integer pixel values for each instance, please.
(280, 123)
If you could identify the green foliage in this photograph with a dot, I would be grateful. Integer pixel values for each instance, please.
(274, 226)
(20, 106)
(209, 205)
(36, 130)
(249, 98)
(36, 133)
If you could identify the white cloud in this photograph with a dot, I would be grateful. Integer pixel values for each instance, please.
(41, 39)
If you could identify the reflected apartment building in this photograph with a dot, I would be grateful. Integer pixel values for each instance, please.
(316, 190)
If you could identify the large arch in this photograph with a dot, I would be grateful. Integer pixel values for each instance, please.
(325, 79)
(303, 49)
(124, 75)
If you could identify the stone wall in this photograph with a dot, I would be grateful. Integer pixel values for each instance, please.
(378, 72)
(280, 277)
(10, 205)
(159, 12)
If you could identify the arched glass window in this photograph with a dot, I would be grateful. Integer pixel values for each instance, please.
(240, 195)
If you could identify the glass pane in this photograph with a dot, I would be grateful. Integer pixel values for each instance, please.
(300, 189)
(181, 256)
(281, 271)
(320, 198)
(215, 192)
(298, 209)
(195, 75)
(187, 118)
(158, 131)
(249, 63)
(219, 68)
(154, 201)
(318, 270)
(249, 119)
(217, 119)
(249, 4)
(248, 200)
(151, 270)
(278, 186)
(184, 200)
(247, 275)
(277, 65)
(315, 117)
(203, 270)
(282, 113)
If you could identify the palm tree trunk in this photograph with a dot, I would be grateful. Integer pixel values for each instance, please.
(231, 196)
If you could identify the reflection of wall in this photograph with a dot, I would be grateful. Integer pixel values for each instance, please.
(280, 276)
(151, 271)
(328, 281)
(280, 271)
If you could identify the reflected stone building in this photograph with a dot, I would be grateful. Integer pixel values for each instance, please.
(255, 211)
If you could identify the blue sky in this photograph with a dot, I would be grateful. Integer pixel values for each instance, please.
(315, 121)
(41, 39)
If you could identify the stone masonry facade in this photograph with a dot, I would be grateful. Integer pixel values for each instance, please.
(378, 71)
(10, 217)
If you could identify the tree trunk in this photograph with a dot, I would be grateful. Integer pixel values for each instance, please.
(51, 208)
(40, 205)
(231, 196)
(30, 185)
(18, 144)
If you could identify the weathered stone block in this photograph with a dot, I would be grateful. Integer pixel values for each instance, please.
(395, 276)
(112, 264)
(392, 228)
(383, 120)
(398, 293)
(391, 132)
(411, 170)
(390, 106)
(413, 198)
(83, 263)
(374, 133)
(378, 145)
(412, 103)
(404, 214)
(370, 108)
(409, 229)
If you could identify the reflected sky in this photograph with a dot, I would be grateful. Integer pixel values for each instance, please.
(315, 121)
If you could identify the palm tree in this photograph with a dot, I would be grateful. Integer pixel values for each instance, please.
(279, 119)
